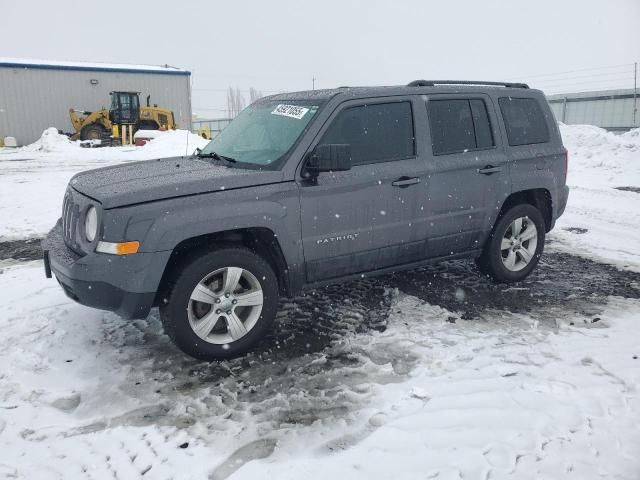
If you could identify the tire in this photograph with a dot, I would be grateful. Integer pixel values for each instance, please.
(93, 131)
(204, 277)
(516, 262)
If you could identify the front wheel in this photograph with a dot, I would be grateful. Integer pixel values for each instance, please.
(94, 131)
(514, 247)
(222, 303)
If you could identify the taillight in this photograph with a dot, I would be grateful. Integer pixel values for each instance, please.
(566, 163)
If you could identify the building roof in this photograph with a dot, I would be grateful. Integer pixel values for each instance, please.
(8, 62)
(595, 95)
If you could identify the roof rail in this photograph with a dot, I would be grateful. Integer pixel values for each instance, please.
(432, 83)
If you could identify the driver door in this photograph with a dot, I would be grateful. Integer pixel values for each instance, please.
(363, 219)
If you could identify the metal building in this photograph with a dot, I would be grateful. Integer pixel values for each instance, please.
(35, 95)
(610, 109)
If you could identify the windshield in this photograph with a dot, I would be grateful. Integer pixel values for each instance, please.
(263, 133)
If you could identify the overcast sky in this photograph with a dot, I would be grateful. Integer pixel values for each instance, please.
(281, 45)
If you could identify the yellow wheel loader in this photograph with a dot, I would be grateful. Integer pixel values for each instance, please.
(125, 113)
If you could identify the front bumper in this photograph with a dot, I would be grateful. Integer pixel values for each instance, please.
(124, 284)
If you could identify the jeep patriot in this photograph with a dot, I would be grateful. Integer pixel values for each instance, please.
(307, 188)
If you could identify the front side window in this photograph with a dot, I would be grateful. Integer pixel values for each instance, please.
(459, 125)
(524, 121)
(262, 134)
(376, 133)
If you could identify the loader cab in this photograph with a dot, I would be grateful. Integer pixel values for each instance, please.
(125, 107)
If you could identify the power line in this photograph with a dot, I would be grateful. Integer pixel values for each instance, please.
(628, 65)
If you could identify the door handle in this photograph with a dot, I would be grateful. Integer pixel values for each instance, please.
(489, 169)
(404, 182)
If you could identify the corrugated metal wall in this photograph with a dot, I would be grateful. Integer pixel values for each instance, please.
(33, 99)
(611, 109)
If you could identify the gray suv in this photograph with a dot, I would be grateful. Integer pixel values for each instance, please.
(308, 188)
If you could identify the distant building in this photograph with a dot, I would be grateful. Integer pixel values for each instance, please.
(37, 94)
(610, 109)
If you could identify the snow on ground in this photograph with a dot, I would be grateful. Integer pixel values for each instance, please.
(604, 220)
(417, 392)
(42, 170)
(435, 373)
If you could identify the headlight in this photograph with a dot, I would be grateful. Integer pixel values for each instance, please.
(91, 224)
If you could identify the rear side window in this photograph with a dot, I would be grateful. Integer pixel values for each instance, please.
(377, 133)
(459, 125)
(524, 121)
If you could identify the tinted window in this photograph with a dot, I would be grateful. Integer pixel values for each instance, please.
(524, 121)
(459, 125)
(376, 133)
(451, 126)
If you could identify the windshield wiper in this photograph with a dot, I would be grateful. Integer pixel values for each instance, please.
(215, 156)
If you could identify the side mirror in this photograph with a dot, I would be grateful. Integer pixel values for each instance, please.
(334, 157)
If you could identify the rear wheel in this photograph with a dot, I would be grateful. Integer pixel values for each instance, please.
(93, 132)
(222, 303)
(514, 247)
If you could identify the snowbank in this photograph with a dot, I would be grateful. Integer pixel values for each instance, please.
(52, 145)
(601, 220)
(598, 157)
(51, 141)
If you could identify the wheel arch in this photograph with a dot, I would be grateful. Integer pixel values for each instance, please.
(260, 240)
(538, 197)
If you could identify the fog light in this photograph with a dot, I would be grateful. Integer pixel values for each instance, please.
(123, 248)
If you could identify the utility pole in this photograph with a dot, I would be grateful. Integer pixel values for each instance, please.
(313, 83)
(635, 92)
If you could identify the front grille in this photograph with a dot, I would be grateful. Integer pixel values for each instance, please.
(70, 216)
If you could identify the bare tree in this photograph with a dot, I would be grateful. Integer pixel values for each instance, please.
(235, 101)
(254, 95)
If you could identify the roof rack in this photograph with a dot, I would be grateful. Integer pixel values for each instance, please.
(432, 83)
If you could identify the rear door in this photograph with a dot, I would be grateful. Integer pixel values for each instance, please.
(364, 218)
(467, 170)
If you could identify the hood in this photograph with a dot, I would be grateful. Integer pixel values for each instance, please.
(151, 180)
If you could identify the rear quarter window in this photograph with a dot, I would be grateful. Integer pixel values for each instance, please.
(524, 121)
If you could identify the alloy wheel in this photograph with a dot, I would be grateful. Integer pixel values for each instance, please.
(225, 305)
(519, 244)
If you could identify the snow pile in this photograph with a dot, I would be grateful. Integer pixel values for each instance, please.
(598, 157)
(53, 145)
(173, 143)
(603, 212)
(50, 142)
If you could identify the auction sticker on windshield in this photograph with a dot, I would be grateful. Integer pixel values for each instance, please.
(293, 111)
